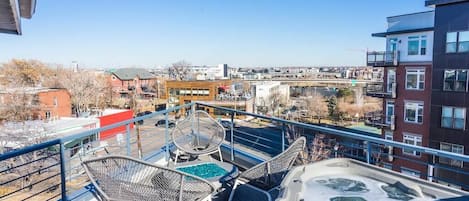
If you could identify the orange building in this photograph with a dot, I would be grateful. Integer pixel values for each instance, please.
(39, 102)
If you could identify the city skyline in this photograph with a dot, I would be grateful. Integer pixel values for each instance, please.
(150, 34)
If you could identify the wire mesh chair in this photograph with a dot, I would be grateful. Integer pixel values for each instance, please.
(267, 175)
(126, 178)
(199, 134)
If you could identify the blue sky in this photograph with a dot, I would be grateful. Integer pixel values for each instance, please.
(118, 33)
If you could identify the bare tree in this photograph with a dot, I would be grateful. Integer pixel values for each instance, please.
(87, 89)
(20, 106)
(275, 101)
(317, 106)
(179, 70)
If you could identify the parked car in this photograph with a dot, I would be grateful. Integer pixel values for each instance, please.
(227, 124)
(139, 115)
(162, 123)
(142, 114)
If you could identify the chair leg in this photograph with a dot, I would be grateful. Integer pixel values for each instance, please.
(176, 159)
(236, 183)
(219, 152)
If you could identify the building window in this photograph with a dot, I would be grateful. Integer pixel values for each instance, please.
(455, 80)
(415, 79)
(413, 140)
(413, 112)
(453, 117)
(387, 166)
(392, 44)
(455, 148)
(391, 79)
(47, 115)
(389, 111)
(417, 45)
(388, 135)
(457, 42)
(410, 172)
(56, 103)
(463, 41)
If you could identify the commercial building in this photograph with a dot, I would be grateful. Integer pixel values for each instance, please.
(225, 93)
(267, 94)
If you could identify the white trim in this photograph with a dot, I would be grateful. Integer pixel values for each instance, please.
(418, 72)
(412, 137)
(406, 102)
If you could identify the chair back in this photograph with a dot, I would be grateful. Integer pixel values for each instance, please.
(126, 178)
(269, 174)
(198, 134)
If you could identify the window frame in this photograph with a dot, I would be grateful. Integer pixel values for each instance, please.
(421, 50)
(418, 106)
(393, 105)
(415, 138)
(453, 118)
(411, 172)
(455, 80)
(388, 135)
(418, 72)
(457, 42)
(448, 161)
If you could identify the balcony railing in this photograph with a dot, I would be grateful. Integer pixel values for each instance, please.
(254, 139)
(382, 59)
(381, 121)
(379, 90)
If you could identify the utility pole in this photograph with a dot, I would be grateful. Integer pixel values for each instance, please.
(137, 124)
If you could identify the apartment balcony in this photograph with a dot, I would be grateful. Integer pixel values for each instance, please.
(382, 59)
(52, 170)
(379, 90)
(381, 121)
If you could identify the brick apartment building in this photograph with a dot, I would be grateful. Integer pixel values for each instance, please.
(406, 87)
(124, 81)
(45, 103)
(425, 89)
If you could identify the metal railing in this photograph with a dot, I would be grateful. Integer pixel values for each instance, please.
(36, 171)
(382, 59)
(378, 89)
(381, 121)
(256, 136)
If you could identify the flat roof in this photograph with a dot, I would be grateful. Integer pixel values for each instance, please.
(430, 11)
(384, 34)
(433, 3)
(29, 90)
(113, 111)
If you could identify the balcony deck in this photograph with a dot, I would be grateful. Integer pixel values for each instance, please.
(52, 171)
(379, 90)
(382, 58)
